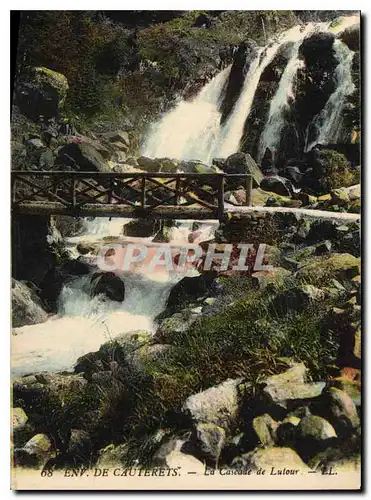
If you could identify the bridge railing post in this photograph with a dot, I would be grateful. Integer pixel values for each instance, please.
(14, 192)
(143, 192)
(73, 192)
(177, 189)
(249, 191)
(221, 197)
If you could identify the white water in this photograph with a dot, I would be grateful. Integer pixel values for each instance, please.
(188, 131)
(328, 123)
(284, 95)
(192, 129)
(84, 323)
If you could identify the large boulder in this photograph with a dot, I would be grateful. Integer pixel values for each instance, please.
(26, 306)
(351, 37)
(290, 387)
(148, 164)
(36, 452)
(277, 184)
(329, 170)
(218, 405)
(43, 94)
(342, 409)
(108, 284)
(189, 289)
(315, 428)
(243, 163)
(83, 156)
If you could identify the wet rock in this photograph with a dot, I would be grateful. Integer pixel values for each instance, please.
(243, 57)
(141, 228)
(148, 164)
(88, 364)
(316, 428)
(108, 284)
(277, 184)
(75, 267)
(85, 247)
(133, 339)
(68, 226)
(293, 174)
(189, 289)
(243, 163)
(278, 461)
(351, 37)
(265, 429)
(26, 306)
(218, 405)
(219, 162)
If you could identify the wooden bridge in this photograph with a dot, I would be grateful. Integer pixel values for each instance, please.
(133, 195)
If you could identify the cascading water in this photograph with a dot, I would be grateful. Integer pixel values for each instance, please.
(83, 323)
(281, 101)
(329, 122)
(191, 128)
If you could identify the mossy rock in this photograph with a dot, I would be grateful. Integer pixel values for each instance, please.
(56, 81)
(320, 270)
(42, 94)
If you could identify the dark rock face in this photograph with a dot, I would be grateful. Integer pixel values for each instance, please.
(26, 305)
(351, 37)
(42, 94)
(293, 174)
(277, 184)
(243, 163)
(243, 57)
(108, 284)
(142, 228)
(315, 81)
(32, 256)
(189, 289)
(329, 170)
(267, 87)
(82, 156)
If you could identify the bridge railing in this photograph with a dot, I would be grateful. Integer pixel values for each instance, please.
(142, 192)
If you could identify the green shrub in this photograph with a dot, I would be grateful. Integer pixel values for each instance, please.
(330, 171)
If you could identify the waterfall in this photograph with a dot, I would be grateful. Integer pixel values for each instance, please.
(328, 123)
(189, 130)
(192, 130)
(281, 101)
